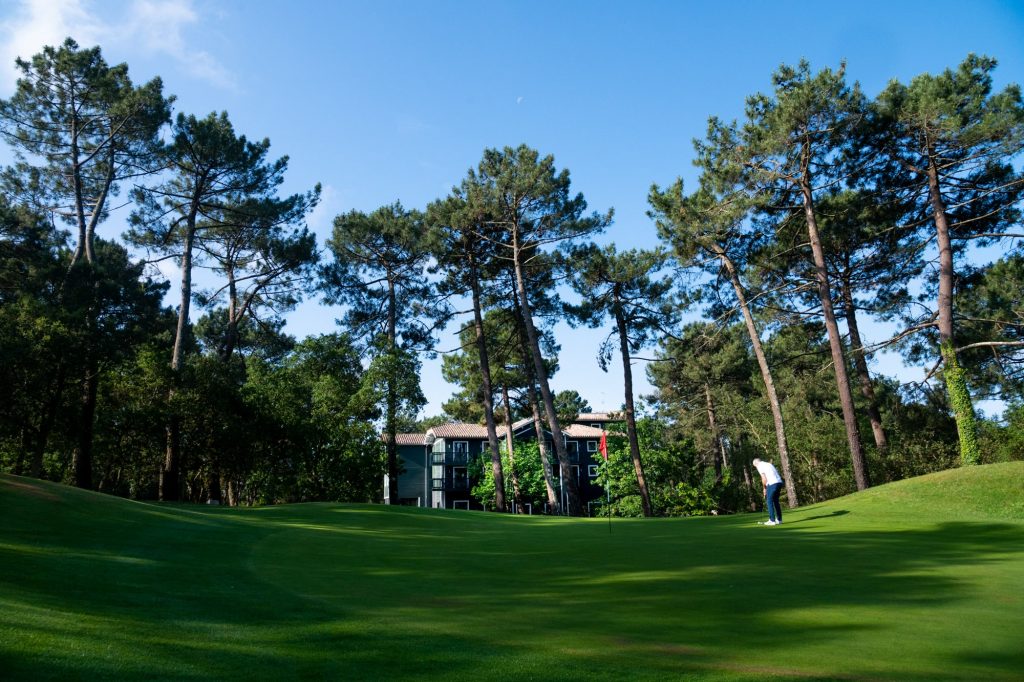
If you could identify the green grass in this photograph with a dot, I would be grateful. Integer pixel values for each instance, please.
(918, 580)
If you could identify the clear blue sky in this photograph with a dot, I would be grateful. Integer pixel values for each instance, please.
(396, 100)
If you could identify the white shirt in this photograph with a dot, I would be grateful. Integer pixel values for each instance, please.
(770, 473)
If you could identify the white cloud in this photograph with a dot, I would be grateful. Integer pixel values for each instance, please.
(158, 27)
(37, 23)
(155, 27)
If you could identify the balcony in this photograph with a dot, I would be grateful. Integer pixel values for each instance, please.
(450, 458)
(450, 483)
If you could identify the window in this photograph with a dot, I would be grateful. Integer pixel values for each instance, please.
(596, 426)
(572, 446)
(460, 504)
(592, 470)
(591, 446)
(575, 472)
(460, 452)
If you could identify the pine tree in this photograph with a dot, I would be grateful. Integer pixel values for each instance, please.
(950, 144)
(531, 208)
(619, 285)
(794, 139)
(708, 230)
(379, 272)
(214, 174)
(79, 128)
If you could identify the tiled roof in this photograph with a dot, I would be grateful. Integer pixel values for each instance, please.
(580, 431)
(597, 417)
(457, 430)
(410, 438)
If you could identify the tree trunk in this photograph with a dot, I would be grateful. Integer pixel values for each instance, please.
(545, 459)
(391, 447)
(717, 445)
(749, 483)
(860, 471)
(488, 391)
(46, 421)
(634, 441)
(953, 373)
(26, 445)
(860, 363)
(391, 409)
(82, 463)
(87, 418)
(170, 475)
(214, 487)
(101, 199)
(231, 331)
(76, 186)
(517, 493)
(766, 376)
(571, 490)
(83, 453)
(554, 504)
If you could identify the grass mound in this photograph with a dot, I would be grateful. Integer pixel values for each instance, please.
(918, 580)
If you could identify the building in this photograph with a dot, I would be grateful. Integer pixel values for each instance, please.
(436, 466)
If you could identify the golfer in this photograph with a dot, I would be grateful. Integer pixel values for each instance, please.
(772, 483)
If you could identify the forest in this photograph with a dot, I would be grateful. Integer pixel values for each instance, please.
(824, 209)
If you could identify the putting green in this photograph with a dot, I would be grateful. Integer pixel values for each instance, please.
(918, 580)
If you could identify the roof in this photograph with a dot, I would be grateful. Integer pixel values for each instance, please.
(521, 423)
(458, 430)
(581, 431)
(597, 417)
(410, 438)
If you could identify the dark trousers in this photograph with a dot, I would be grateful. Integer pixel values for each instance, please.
(771, 500)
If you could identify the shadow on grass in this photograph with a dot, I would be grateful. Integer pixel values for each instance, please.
(838, 512)
(362, 593)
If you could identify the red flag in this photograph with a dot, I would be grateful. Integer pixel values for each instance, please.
(603, 447)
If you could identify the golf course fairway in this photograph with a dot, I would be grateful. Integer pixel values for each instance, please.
(916, 580)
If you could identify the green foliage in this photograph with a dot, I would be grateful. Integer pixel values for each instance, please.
(379, 272)
(78, 128)
(569, 404)
(960, 400)
(507, 357)
(316, 438)
(1003, 442)
(527, 467)
(393, 375)
(989, 300)
(619, 286)
(953, 142)
(271, 420)
(677, 483)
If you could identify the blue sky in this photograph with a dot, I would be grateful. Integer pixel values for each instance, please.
(396, 100)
